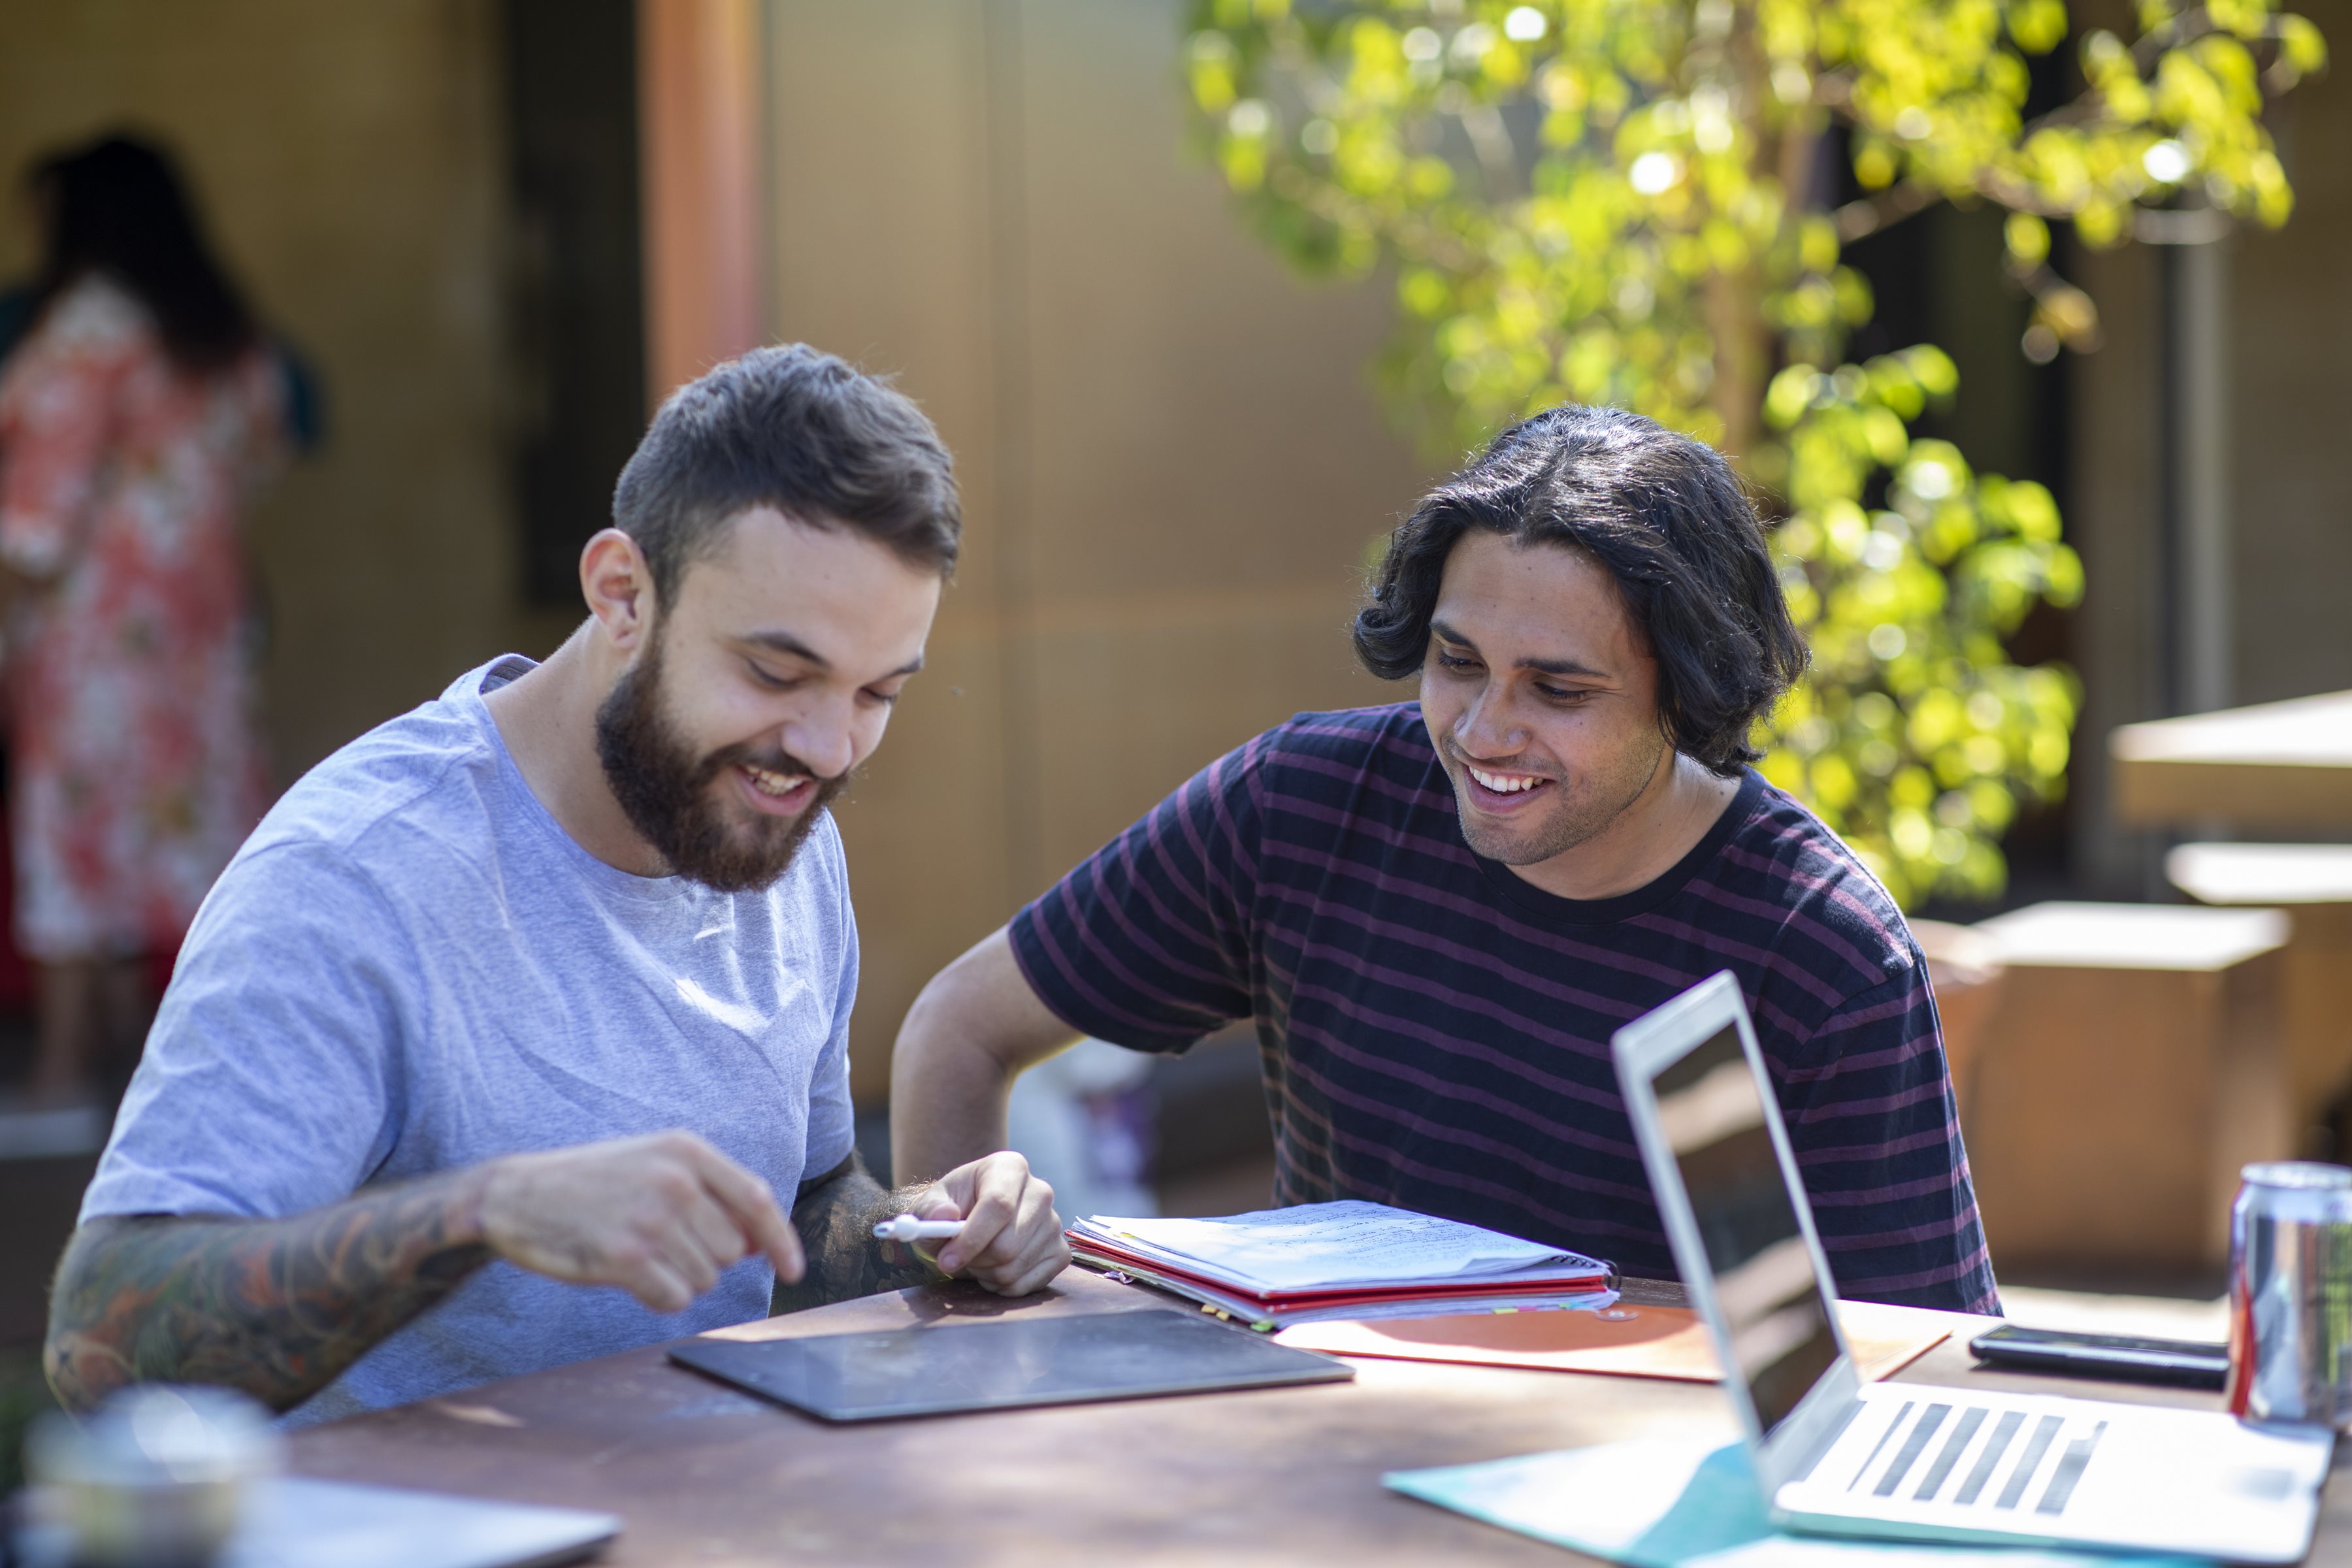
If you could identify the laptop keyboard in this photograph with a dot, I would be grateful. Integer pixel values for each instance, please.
(1949, 1455)
(2003, 1434)
(1909, 1448)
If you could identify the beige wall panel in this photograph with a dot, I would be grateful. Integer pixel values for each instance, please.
(1171, 456)
(879, 226)
(879, 242)
(348, 161)
(1202, 418)
(1142, 695)
(1207, 460)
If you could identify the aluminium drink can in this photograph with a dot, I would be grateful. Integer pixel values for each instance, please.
(2290, 1294)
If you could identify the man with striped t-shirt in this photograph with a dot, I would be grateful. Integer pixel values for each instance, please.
(1437, 913)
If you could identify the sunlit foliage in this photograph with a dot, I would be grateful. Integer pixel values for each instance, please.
(1630, 202)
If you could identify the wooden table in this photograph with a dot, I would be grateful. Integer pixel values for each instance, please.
(708, 1477)
(2274, 766)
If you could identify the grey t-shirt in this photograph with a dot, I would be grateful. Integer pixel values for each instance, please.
(410, 967)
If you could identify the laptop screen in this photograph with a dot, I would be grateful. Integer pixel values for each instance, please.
(1711, 1110)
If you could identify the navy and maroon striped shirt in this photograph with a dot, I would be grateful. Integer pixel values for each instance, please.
(1434, 1030)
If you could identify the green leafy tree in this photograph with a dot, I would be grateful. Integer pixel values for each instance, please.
(1630, 202)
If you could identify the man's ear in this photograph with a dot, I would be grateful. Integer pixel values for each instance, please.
(619, 588)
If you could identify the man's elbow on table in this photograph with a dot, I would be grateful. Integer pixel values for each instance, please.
(82, 1360)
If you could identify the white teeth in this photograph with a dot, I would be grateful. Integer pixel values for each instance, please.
(1503, 784)
(768, 783)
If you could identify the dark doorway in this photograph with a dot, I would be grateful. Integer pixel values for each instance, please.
(571, 109)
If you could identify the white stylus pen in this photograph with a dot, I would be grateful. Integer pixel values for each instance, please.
(906, 1227)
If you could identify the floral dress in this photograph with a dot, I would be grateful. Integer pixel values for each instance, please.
(135, 769)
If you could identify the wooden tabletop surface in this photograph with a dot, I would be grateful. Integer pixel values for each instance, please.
(705, 1476)
(2274, 764)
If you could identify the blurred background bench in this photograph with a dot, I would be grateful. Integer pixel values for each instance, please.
(2132, 1063)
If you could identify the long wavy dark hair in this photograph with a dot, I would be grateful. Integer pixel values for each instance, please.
(118, 206)
(1668, 520)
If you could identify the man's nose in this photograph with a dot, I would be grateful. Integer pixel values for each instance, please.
(824, 740)
(1485, 727)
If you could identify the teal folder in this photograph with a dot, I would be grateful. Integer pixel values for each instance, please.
(1675, 1503)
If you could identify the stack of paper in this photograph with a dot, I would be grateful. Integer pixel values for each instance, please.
(1349, 1259)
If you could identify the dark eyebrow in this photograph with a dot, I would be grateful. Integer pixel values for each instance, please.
(1444, 633)
(791, 645)
(1563, 667)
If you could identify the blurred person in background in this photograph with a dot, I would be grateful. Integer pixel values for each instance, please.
(138, 411)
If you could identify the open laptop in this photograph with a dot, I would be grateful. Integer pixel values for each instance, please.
(1911, 1461)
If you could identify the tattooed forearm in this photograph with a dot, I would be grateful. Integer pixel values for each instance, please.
(275, 1308)
(836, 1215)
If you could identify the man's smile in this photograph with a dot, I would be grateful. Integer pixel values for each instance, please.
(775, 794)
(1505, 783)
(1499, 792)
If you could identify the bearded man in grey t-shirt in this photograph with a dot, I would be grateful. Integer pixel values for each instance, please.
(498, 1042)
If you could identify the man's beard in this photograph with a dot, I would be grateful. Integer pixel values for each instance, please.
(665, 790)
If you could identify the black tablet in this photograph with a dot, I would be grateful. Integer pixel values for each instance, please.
(1007, 1364)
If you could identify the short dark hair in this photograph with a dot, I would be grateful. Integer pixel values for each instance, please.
(798, 430)
(1664, 515)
